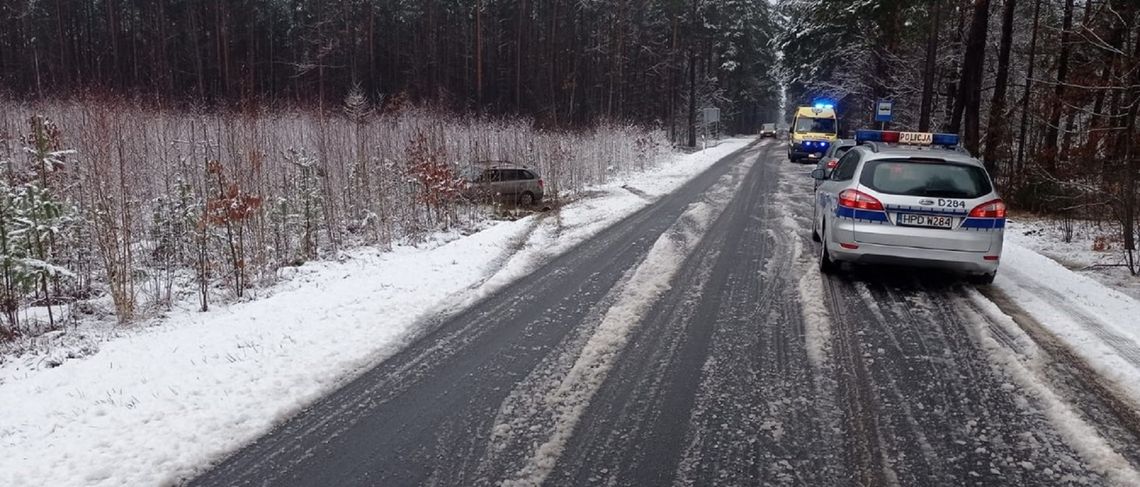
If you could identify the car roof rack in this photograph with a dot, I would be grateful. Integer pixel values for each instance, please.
(492, 164)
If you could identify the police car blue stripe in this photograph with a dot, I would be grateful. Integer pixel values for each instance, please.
(854, 214)
(984, 223)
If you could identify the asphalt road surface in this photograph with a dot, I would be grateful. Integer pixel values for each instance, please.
(695, 343)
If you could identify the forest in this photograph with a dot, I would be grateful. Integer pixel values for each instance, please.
(163, 146)
(560, 62)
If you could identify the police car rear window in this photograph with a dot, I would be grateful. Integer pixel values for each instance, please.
(931, 179)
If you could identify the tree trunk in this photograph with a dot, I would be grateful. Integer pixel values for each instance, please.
(1051, 130)
(692, 98)
(1128, 153)
(518, 57)
(929, 68)
(954, 124)
(479, 56)
(1031, 63)
(970, 86)
(674, 75)
(995, 129)
(1100, 119)
(692, 74)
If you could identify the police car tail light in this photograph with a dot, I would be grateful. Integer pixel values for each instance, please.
(851, 198)
(989, 209)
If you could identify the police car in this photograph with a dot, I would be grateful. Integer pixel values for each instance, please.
(909, 198)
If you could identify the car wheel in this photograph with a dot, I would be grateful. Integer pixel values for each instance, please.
(826, 265)
(814, 232)
(526, 199)
(983, 279)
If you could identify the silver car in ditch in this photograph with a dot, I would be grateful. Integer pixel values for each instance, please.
(502, 182)
(915, 203)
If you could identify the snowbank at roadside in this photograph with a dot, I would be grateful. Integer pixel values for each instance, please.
(153, 406)
(1101, 324)
(1080, 253)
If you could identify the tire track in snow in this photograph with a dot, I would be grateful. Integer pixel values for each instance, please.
(1125, 347)
(865, 441)
(628, 433)
(570, 396)
(759, 415)
(715, 386)
(1104, 423)
(520, 421)
(517, 244)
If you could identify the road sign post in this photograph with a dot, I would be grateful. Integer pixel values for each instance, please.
(883, 113)
(709, 116)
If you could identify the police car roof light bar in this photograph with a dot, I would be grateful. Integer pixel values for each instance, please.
(892, 136)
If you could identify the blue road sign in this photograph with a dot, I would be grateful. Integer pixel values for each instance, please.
(883, 111)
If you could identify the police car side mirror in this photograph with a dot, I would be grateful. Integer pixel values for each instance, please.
(819, 174)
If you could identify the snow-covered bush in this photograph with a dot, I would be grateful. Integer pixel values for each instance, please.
(34, 223)
(31, 222)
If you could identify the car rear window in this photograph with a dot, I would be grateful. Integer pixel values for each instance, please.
(932, 179)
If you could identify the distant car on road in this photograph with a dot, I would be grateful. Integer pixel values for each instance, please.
(506, 182)
(768, 130)
(831, 157)
(909, 198)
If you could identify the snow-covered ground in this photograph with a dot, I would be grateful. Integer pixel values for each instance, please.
(1094, 250)
(153, 405)
(1089, 311)
(1099, 323)
(1076, 293)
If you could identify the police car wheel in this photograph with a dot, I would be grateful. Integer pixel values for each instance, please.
(814, 214)
(826, 265)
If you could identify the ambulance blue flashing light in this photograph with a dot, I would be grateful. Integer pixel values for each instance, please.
(823, 105)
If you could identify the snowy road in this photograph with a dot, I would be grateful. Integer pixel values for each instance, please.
(695, 343)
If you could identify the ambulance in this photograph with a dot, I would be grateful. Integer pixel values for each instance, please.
(813, 130)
